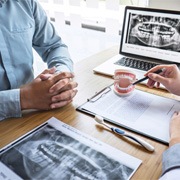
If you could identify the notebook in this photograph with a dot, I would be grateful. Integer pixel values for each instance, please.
(149, 37)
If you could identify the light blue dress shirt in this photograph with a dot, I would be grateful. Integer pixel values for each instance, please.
(23, 25)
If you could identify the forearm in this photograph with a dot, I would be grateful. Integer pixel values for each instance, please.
(10, 104)
(59, 57)
(49, 44)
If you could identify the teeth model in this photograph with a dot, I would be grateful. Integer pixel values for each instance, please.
(123, 81)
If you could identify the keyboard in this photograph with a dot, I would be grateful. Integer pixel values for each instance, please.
(136, 64)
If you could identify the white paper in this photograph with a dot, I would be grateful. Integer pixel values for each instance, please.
(146, 113)
(59, 151)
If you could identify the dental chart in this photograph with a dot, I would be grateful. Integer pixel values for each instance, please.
(142, 112)
(58, 151)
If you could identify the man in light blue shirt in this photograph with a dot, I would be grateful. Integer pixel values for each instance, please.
(23, 26)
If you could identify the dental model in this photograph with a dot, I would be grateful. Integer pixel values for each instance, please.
(123, 82)
(143, 143)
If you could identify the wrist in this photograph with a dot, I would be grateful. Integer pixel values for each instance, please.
(174, 141)
(24, 98)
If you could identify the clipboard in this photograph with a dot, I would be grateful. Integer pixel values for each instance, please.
(93, 99)
(141, 112)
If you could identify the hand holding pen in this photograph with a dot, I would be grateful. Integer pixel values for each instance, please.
(170, 78)
(147, 77)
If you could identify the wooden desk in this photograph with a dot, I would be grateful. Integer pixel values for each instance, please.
(89, 83)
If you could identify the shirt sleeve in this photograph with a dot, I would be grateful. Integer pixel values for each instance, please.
(171, 175)
(171, 162)
(48, 43)
(10, 104)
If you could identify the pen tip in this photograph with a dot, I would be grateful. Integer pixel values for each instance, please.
(131, 85)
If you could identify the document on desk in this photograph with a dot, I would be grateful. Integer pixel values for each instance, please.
(142, 112)
(56, 150)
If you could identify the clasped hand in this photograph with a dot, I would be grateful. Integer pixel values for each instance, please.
(48, 91)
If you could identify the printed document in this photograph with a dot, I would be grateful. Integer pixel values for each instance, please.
(142, 112)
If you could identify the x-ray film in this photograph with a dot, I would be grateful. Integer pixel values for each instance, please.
(58, 151)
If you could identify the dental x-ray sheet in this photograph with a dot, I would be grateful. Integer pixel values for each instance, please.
(56, 150)
(141, 112)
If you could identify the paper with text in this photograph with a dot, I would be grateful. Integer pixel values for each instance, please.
(143, 112)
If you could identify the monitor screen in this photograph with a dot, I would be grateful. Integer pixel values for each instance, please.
(151, 33)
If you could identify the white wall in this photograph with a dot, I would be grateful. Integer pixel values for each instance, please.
(165, 4)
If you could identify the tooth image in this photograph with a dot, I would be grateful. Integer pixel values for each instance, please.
(51, 154)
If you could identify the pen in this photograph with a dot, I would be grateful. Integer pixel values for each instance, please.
(143, 79)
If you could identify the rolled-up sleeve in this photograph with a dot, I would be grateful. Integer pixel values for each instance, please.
(10, 104)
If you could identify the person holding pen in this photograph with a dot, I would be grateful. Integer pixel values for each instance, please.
(24, 25)
(170, 78)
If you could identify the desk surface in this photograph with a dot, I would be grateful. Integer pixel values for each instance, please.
(89, 83)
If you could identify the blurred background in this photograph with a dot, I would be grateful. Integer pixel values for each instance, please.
(90, 26)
